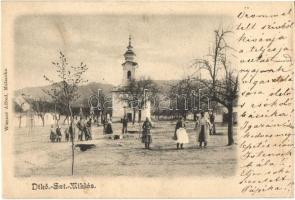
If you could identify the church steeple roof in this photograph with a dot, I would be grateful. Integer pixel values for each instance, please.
(129, 46)
(129, 54)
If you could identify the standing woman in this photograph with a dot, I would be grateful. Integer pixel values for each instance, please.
(109, 129)
(80, 128)
(125, 124)
(88, 127)
(52, 134)
(58, 134)
(212, 122)
(67, 135)
(146, 133)
(179, 124)
(180, 134)
(204, 126)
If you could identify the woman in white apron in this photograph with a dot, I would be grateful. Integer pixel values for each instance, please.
(180, 134)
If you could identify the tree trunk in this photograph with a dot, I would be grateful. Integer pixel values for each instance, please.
(158, 114)
(101, 117)
(139, 116)
(73, 152)
(73, 147)
(43, 121)
(67, 117)
(97, 119)
(55, 115)
(185, 115)
(57, 121)
(230, 126)
(134, 115)
(20, 121)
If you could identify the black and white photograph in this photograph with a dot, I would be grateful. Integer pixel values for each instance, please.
(147, 99)
(138, 95)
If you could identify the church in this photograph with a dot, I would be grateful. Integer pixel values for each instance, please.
(124, 108)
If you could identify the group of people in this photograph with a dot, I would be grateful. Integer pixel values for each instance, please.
(203, 127)
(108, 129)
(84, 132)
(55, 134)
(84, 129)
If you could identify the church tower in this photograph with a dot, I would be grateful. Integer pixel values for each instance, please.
(129, 66)
(122, 108)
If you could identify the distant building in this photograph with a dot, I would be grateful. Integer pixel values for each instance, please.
(124, 108)
(25, 116)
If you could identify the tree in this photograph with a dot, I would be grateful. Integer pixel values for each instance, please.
(40, 107)
(156, 106)
(18, 107)
(182, 96)
(101, 103)
(222, 86)
(138, 93)
(64, 90)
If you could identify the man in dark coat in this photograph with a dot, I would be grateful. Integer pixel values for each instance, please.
(212, 121)
(104, 123)
(80, 128)
(58, 134)
(146, 133)
(125, 124)
(52, 135)
(67, 135)
(88, 127)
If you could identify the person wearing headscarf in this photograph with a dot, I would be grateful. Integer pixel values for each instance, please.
(52, 134)
(180, 134)
(212, 121)
(146, 133)
(58, 134)
(88, 135)
(67, 135)
(109, 129)
(203, 130)
(80, 128)
(125, 124)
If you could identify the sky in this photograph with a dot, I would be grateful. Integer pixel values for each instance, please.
(165, 45)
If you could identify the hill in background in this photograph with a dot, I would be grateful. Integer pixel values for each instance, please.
(86, 90)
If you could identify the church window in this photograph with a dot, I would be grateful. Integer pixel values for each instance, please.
(129, 75)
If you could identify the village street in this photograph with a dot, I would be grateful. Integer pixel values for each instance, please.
(36, 156)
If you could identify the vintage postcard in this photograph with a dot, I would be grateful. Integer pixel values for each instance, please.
(147, 99)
